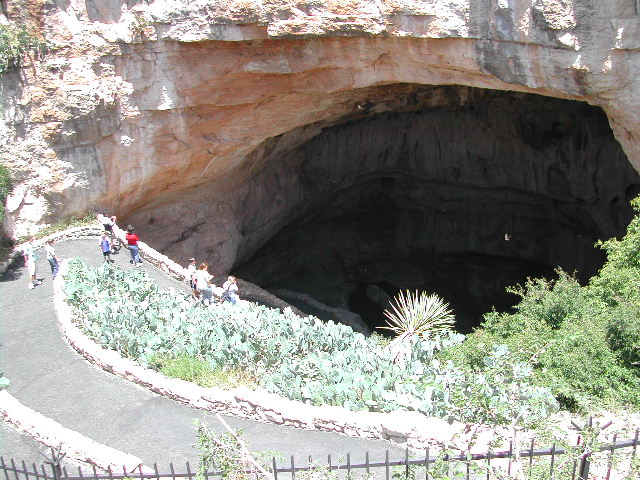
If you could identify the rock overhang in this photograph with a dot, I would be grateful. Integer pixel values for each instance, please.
(141, 107)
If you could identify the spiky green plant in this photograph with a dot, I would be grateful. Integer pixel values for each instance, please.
(419, 314)
(416, 314)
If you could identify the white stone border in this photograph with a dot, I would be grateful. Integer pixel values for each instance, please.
(85, 231)
(411, 428)
(73, 444)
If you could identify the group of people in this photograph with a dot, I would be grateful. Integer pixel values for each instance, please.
(107, 242)
(203, 288)
(198, 276)
(29, 255)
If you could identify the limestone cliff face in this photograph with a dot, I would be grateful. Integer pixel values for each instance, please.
(142, 106)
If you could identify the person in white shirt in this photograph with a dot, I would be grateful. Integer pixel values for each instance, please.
(203, 283)
(191, 270)
(107, 222)
(51, 256)
(29, 254)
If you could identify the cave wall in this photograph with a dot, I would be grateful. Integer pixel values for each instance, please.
(462, 198)
(139, 104)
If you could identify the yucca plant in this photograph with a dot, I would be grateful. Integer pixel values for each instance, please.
(416, 314)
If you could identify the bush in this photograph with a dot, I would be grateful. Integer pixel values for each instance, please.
(5, 189)
(623, 332)
(198, 370)
(584, 342)
(484, 396)
(15, 42)
(564, 331)
(302, 359)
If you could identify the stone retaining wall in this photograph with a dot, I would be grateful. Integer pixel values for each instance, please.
(70, 233)
(410, 428)
(71, 443)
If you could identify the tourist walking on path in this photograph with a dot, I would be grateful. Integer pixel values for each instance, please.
(51, 257)
(29, 254)
(107, 223)
(105, 246)
(230, 288)
(192, 268)
(203, 283)
(132, 241)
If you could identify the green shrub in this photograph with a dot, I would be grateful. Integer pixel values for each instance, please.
(198, 370)
(564, 331)
(583, 341)
(5, 189)
(15, 42)
(582, 370)
(623, 332)
(553, 302)
(302, 359)
(501, 393)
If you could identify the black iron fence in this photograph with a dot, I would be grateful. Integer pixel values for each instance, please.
(616, 460)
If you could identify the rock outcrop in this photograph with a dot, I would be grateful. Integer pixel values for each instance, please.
(170, 113)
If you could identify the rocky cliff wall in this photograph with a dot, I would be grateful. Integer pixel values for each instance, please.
(141, 106)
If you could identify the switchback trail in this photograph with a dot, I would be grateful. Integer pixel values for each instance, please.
(49, 377)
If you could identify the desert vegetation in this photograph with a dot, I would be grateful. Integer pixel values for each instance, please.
(300, 358)
(564, 344)
(16, 42)
(583, 342)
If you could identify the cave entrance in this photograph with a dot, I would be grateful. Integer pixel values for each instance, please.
(462, 198)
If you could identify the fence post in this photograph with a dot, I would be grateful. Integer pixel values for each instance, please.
(54, 461)
(584, 468)
(387, 474)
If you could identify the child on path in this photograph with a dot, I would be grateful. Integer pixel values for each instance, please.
(29, 254)
(51, 256)
(230, 288)
(105, 246)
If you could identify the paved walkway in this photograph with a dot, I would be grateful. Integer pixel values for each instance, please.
(49, 377)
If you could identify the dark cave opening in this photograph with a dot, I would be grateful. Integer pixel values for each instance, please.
(462, 200)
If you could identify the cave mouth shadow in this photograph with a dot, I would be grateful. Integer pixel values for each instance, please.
(461, 199)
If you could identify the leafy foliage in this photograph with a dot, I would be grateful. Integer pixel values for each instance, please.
(15, 42)
(5, 189)
(6, 245)
(583, 341)
(485, 398)
(198, 370)
(223, 452)
(300, 358)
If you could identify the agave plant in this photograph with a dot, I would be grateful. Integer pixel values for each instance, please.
(416, 314)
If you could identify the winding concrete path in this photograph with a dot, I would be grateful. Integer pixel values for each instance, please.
(49, 377)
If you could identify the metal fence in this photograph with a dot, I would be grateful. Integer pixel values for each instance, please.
(559, 463)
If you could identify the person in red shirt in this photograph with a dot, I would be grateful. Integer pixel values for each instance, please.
(132, 241)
